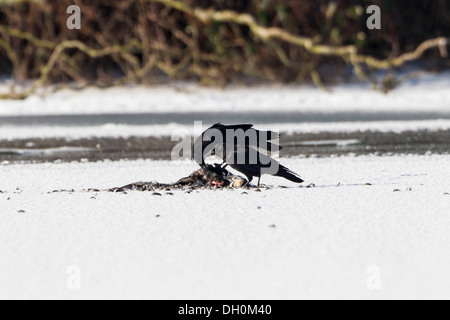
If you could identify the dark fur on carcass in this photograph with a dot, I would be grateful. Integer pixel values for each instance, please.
(210, 176)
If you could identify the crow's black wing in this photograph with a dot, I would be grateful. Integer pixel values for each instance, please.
(253, 163)
(205, 143)
(239, 159)
(263, 140)
(253, 138)
(223, 127)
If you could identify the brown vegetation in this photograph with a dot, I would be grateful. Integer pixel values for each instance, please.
(213, 42)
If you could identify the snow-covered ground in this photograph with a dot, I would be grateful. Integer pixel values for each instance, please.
(426, 98)
(179, 130)
(427, 92)
(338, 240)
(373, 227)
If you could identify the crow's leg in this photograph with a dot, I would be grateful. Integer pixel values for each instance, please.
(249, 179)
(259, 181)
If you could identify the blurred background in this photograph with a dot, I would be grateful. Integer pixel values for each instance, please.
(161, 43)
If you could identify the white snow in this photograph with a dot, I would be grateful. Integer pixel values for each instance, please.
(179, 130)
(338, 142)
(48, 151)
(369, 221)
(427, 92)
(323, 242)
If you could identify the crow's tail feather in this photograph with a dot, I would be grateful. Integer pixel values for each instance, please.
(288, 174)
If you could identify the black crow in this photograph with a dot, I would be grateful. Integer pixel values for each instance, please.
(253, 163)
(245, 149)
(218, 135)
